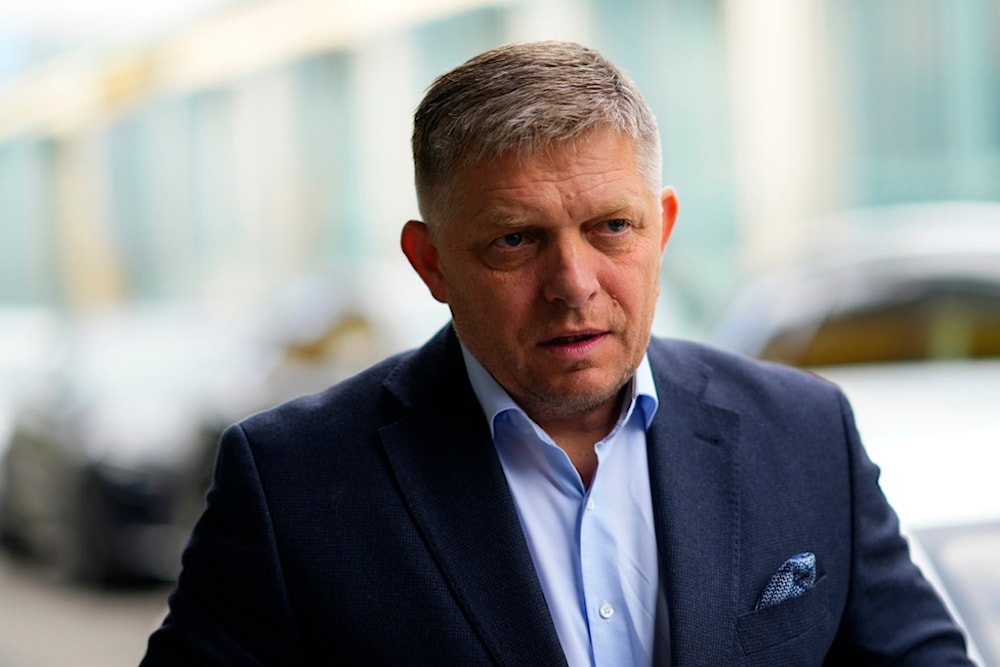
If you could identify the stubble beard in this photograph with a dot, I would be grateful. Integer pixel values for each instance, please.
(546, 403)
(546, 406)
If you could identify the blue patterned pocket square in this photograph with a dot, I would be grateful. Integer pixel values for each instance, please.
(795, 576)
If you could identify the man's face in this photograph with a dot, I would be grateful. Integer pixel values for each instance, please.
(550, 266)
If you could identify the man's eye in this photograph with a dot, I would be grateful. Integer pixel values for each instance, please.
(617, 226)
(510, 240)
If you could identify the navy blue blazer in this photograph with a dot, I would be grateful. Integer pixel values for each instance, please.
(371, 524)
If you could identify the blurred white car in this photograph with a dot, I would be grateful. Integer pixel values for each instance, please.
(901, 308)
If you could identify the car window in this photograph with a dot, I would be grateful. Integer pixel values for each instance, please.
(916, 323)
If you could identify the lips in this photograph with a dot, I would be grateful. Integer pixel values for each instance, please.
(572, 339)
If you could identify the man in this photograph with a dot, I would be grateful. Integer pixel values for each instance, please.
(541, 484)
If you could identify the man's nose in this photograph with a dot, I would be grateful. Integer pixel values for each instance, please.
(570, 273)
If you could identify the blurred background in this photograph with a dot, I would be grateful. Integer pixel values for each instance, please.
(200, 204)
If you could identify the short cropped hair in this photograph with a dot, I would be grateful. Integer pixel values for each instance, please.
(522, 99)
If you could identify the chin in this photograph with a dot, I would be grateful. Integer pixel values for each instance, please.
(583, 399)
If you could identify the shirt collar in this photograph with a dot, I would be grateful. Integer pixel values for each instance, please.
(495, 400)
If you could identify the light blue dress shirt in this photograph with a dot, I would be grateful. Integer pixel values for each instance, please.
(594, 549)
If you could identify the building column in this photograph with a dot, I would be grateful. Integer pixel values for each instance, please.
(783, 130)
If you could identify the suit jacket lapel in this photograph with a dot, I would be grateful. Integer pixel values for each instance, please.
(451, 479)
(693, 474)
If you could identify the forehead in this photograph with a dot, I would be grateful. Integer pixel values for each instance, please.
(598, 170)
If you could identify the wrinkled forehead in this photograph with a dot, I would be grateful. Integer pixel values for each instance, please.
(592, 177)
(448, 192)
(602, 150)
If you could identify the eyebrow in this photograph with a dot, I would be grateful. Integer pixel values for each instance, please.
(501, 216)
(622, 205)
(505, 218)
(506, 221)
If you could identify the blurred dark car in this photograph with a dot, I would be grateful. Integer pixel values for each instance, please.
(902, 310)
(30, 346)
(105, 470)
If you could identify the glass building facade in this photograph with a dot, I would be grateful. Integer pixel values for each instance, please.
(229, 187)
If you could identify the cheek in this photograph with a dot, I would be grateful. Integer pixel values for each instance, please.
(635, 285)
(489, 303)
(499, 290)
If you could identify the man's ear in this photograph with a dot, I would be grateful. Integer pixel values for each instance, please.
(419, 248)
(668, 200)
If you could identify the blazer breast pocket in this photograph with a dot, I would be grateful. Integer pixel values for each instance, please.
(763, 628)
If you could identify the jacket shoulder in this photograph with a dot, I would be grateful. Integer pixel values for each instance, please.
(725, 376)
(365, 401)
(350, 399)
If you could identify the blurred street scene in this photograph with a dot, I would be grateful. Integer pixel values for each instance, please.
(200, 206)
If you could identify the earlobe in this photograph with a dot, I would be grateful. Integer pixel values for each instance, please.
(422, 253)
(668, 201)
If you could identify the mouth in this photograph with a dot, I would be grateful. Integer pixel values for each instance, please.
(569, 340)
(572, 340)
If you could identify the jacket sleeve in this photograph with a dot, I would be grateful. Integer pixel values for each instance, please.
(229, 606)
(893, 614)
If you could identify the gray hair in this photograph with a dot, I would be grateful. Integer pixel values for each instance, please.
(523, 99)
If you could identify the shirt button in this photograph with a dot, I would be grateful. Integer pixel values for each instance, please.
(590, 503)
(606, 610)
